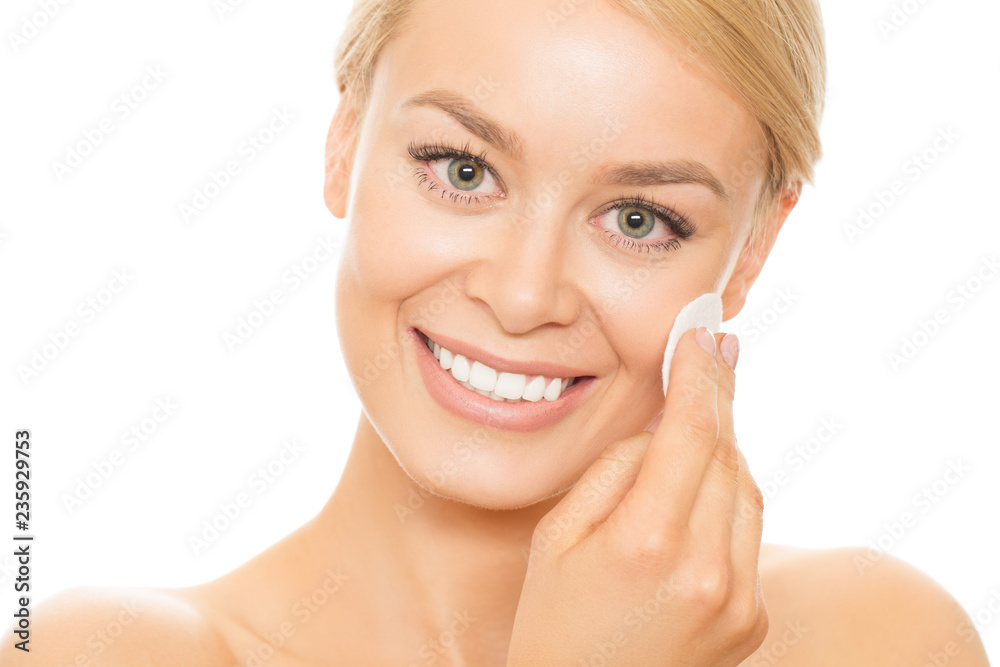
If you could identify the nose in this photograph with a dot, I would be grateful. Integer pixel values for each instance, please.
(524, 278)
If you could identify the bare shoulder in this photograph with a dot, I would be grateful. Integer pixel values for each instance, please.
(850, 606)
(108, 627)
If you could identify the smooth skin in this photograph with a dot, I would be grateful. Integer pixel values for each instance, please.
(591, 535)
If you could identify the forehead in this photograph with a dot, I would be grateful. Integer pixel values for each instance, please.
(561, 80)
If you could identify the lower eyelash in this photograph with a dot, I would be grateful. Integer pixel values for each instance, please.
(459, 197)
(659, 246)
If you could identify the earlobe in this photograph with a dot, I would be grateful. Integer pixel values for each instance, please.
(753, 254)
(339, 148)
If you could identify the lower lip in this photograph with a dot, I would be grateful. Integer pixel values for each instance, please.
(524, 416)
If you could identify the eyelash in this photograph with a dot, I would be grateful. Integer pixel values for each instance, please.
(676, 222)
(432, 153)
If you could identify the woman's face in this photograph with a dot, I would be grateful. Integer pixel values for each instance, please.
(610, 182)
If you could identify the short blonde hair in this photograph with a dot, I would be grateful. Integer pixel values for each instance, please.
(771, 53)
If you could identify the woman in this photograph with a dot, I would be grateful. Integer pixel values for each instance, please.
(540, 188)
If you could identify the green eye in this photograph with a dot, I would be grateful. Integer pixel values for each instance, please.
(465, 174)
(636, 222)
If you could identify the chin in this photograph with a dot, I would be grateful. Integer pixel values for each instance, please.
(483, 474)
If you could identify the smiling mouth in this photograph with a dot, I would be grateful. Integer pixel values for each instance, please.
(498, 385)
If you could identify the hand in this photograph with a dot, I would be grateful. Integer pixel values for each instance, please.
(651, 558)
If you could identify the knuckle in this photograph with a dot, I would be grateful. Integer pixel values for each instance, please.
(696, 382)
(747, 515)
(746, 614)
(710, 588)
(754, 494)
(725, 454)
(747, 623)
(648, 552)
(701, 424)
(748, 485)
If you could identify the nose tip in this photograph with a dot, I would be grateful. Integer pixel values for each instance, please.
(525, 287)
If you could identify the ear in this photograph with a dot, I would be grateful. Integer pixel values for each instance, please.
(752, 257)
(340, 141)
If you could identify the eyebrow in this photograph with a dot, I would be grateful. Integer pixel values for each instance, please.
(662, 173)
(637, 173)
(464, 111)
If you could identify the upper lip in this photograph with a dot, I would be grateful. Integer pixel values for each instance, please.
(546, 368)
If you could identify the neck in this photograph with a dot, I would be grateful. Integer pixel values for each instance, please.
(435, 575)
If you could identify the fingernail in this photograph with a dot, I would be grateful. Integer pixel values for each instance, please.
(706, 339)
(655, 423)
(730, 347)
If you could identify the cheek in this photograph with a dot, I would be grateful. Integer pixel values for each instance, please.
(639, 306)
(400, 242)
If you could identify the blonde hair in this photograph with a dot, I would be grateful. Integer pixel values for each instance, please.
(771, 53)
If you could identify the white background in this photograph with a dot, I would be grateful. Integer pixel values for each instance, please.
(826, 357)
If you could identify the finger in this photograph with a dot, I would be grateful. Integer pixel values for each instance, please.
(712, 513)
(682, 445)
(595, 495)
(748, 526)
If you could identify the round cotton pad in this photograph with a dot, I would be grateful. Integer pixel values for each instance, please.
(705, 311)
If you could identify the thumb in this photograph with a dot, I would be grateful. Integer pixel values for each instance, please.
(594, 496)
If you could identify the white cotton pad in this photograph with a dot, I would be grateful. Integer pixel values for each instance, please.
(705, 311)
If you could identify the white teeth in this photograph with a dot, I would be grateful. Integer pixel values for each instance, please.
(553, 390)
(509, 387)
(446, 357)
(535, 389)
(460, 368)
(483, 377)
